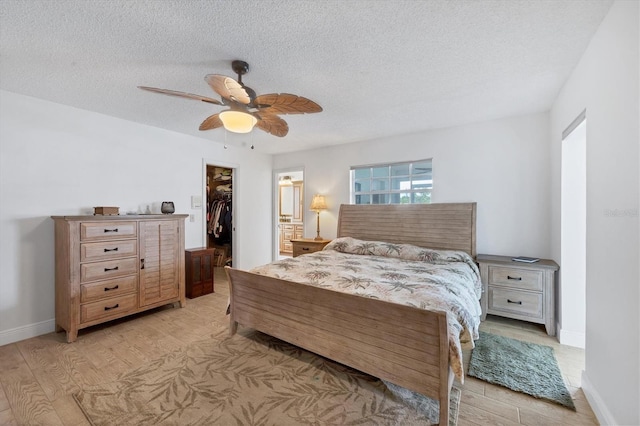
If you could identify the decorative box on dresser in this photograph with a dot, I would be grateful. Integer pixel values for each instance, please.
(199, 263)
(107, 267)
(307, 245)
(519, 290)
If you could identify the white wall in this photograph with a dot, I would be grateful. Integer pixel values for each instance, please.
(605, 82)
(571, 299)
(503, 165)
(57, 160)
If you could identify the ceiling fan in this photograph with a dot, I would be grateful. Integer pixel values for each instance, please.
(246, 110)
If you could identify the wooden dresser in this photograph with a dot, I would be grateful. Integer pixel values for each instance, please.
(524, 291)
(307, 245)
(107, 267)
(199, 263)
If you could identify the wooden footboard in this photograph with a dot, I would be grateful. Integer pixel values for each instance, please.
(404, 345)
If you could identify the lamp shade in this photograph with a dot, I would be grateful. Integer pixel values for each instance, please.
(238, 121)
(318, 203)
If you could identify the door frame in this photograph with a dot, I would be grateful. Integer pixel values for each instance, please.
(571, 294)
(234, 196)
(275, 230)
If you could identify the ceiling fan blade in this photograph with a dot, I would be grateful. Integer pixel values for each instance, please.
(211, 122)
(273, 124)
(228, 88)
(181, 94)
(285, 103)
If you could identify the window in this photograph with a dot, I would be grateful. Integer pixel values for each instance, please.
(398, 183)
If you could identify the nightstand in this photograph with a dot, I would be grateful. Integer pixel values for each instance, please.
(307, 245)
(199, 264)
(523, 291)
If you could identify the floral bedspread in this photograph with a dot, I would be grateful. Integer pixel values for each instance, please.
(400, 273)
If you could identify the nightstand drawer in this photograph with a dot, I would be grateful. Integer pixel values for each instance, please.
(305, 248)
(525, 279)
(515, 302)
(307, 245)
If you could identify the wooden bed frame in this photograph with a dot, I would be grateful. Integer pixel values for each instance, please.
(404, 345)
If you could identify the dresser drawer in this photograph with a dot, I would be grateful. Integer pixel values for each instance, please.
(515, 302)
(94, 231)
(113, 307)
(108, 269)
(515, 277)
(108, 250)
(108, 288)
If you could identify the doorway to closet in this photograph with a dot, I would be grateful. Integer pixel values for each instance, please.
(289, 216)
(219, 213)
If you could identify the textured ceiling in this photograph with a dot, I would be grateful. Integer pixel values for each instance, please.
(378, 68)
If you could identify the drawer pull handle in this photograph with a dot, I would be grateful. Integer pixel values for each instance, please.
(517, 303)
(110, 269)
(305, 248)
(113, 249)
(108, 308)
(111, 230)
(111, 288)
(509, 277)
(141, 263)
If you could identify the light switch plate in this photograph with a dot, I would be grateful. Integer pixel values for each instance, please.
(196, 201)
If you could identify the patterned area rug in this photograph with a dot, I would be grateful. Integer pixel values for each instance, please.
(521, 366)
(253, 378)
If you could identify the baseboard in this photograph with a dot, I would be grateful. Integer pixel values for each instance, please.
(598, 406)
(26, 331)
(571, 338)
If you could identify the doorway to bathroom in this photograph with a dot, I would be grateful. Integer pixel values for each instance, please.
(289, 215)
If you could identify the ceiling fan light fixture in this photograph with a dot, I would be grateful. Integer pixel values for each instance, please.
(246, 109)
(238, 121)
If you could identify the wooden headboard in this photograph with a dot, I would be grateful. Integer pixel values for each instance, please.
(447, 226)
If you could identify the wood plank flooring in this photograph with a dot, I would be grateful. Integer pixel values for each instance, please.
(483, 403)
(39, 375)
